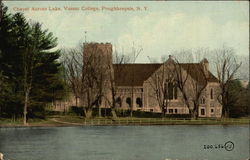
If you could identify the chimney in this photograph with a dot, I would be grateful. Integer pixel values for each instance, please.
(205, 65)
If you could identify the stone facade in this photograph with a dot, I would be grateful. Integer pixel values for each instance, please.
(134, 87)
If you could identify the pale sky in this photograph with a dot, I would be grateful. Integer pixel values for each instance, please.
(160, 29)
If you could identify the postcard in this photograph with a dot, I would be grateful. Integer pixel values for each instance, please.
(124, 80)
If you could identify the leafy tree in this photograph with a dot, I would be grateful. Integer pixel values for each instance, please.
(30, 62)
(238, 99)
(8, 59)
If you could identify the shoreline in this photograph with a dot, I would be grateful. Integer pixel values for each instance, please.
(87, 125)
(51, 126)
(76, 121)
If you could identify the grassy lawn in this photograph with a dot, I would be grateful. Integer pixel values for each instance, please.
(62, 120)
(32, 122)
(7, 121)
(150, 121)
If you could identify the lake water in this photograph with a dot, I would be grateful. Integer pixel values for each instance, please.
(125, 143)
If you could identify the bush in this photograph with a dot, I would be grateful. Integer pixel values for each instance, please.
(186, 116)
(106, 112)
(36, 111)
(52, 113)
(76, 110)
(142, 114)
(95, 112)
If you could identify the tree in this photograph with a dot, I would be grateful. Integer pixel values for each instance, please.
(13, 29)
(97, 58)
(86, 72)
(162, 83)
(238, 99)
(29, 64)
(4, 86)
(37, 56)
(73, 70)
(1, 10)
(4, 92)
(118, 60)
(226, 67)
(191, 80)
(243, 72)
(135, 52)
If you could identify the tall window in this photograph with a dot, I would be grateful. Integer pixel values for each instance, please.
(212, 93)
(128, 101)
(203, 100)
(203, 112)
(171, 89)
(139, 102)
(175, 91)
(175, 111)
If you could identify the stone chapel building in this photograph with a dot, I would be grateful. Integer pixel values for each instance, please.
(134, 88)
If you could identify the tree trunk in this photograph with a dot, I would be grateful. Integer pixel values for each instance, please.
(194, 114)
(225, 98)
(225, 113)
(88, 113)
(76, 101)
(99, 112)
(163, 111)
(26, 101)
(113, 113)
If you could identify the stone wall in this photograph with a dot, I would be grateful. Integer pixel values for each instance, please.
(211, 107)
(132, 93)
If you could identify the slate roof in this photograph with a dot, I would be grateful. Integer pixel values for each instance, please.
(136, 74)
(194, 69)
(133, 74)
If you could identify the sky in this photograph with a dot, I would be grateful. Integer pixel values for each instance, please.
(159, 27)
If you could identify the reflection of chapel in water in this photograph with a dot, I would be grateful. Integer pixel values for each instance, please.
(134, 85)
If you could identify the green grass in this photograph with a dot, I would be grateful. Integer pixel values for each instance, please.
(150, 121)
(7, 121)
(62, 120)
(31, 122)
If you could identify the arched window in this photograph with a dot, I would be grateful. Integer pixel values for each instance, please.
(138, 102)
(175, 111)
(171, 90)
(118, 102)
(175, 91)
(128, 101)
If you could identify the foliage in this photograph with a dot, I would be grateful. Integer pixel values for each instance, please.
(28, 60)
(107, 112)
(238, 99)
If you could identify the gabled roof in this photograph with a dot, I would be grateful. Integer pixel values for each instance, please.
(133, 74)
(194, 70)
(136, 74)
